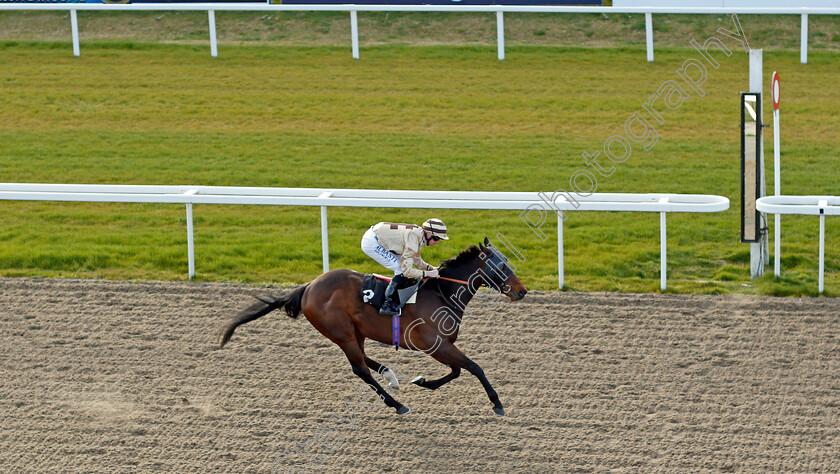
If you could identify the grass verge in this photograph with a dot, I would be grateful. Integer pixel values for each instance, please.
(403, 117)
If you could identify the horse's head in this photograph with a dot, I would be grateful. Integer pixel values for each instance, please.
(498, 274)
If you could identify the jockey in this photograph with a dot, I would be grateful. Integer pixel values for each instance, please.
(397, 247)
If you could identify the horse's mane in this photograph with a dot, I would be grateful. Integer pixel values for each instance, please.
(468, 254)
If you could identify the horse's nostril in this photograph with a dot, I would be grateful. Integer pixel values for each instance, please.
(522, 293)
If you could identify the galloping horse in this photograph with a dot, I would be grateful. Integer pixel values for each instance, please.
(332, 303)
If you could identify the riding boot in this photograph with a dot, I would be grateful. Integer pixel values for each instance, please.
(390, 306)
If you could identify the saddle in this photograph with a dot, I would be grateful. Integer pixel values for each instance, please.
(374, 286)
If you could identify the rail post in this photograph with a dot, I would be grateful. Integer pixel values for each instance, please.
(354, 33)
(211, 18)
(74, 28)
(325, 238)
(822, 204)
(663, 247)
(560, 271)
(190, 237)
(500, 34)
(803, 42)
(649, 35)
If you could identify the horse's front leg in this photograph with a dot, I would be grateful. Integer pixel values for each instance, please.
(450, 355)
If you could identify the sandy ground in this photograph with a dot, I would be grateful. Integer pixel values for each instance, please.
(101, 376)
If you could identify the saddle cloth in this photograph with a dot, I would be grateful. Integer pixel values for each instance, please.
(374, 286)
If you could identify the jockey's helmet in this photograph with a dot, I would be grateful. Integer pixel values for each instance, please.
(436, 228)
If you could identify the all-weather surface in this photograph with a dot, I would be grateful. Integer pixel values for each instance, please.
(104, 376)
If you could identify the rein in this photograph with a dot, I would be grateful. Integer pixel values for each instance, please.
(496, 262)
(453, 280)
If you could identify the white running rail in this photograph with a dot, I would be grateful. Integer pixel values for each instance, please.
(499, 10)
(807, 205)
(530, 204)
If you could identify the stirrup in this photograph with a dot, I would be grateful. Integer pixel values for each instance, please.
(387, 310)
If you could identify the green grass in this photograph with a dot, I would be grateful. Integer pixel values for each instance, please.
(403, 117)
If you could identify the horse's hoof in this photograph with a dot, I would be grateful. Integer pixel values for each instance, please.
(419, 380)
(403, 410)
(499, 411)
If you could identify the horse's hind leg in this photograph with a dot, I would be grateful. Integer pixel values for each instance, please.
(357, 362)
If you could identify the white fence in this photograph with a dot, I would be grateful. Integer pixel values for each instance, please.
(525, 202)
(808, 205)
(499, 10)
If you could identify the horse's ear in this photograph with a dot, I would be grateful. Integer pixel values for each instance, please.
(487, 242)
(481, 246)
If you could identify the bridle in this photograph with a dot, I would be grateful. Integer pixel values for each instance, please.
(497, 264)
(499, 267)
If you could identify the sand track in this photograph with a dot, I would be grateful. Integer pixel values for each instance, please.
(103, 376)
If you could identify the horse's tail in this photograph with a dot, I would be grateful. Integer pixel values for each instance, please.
(266, 304)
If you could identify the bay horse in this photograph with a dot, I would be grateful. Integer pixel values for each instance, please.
(333, 304)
